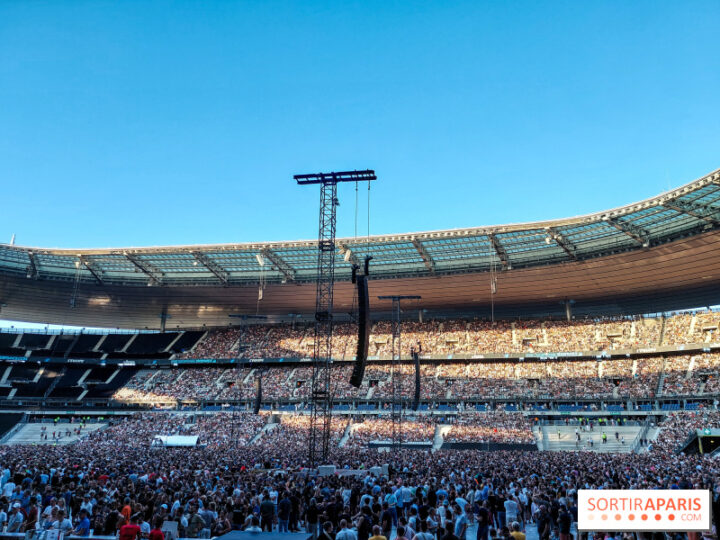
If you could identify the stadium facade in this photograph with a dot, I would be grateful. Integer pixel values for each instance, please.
(660, 254)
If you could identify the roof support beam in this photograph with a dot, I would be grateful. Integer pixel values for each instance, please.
(701, 211)
(566, 245)
(640, 235)
(352, 259)
(284, 268)
(424, 255)
(33, 271)
(500, 250)
(217, 270)
(146, 268)
(94, 270)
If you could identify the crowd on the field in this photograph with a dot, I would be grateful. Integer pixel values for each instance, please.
(115, 482)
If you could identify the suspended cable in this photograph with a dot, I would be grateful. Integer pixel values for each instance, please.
(493, 286)
(368, 214)
(261, 288)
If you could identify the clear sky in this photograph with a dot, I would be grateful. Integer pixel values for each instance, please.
(150, 123)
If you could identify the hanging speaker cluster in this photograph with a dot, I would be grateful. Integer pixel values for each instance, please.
(363, 340)
(258, 395)
(416, 400)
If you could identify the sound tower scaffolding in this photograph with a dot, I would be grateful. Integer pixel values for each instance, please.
(320, 392)
(396, 406)
(242, 329)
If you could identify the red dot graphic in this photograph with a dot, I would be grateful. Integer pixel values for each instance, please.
(617, 517)
(671, 517)
(604, 517)
(644, 517)
(658, 517)
(631, 517)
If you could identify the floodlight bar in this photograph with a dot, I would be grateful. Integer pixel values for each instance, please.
(335, 177)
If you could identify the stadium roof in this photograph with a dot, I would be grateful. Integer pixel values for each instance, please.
(680, 217)
(683, 212)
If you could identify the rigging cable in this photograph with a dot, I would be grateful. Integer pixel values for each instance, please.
(368, 214)
(356, 208)
(493, 286)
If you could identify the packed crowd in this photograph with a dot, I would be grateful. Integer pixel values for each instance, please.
(416, 429)
(450, 337)
(699, 327)
(586, 379)
(115, 479)
(677, 426)
(498, 427)
(213, 430)
(292, 431)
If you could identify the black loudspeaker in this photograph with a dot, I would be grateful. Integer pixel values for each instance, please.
(258, 395)
(363, 331)
(416, 400)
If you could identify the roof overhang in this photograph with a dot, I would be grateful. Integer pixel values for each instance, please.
(664, 243)
(677, 275)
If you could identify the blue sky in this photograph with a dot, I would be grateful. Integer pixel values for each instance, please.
(131, 123)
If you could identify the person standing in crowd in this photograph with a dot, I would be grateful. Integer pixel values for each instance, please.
(482, 518)
(376, 534)
(312, 516)
(544, 523)
(267, 513)
(83, 526)
(16, 519)
(386, 520)
(284, 509)
(461, 522)
(344, 533)
(254, 525)
(423, 534)
(564, 523)
(196, 523)
(516, 532)
(156, 532)
(131, 530)
(327, 531)
(63, 523)
(511, 509)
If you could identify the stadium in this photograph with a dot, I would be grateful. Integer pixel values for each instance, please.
(500, 319)
(214, 347)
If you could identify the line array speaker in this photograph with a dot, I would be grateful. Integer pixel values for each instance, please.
(363, 331)
(258, 395)
(416, 400)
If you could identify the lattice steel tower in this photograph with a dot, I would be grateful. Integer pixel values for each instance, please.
(396, 375)
(321, 395)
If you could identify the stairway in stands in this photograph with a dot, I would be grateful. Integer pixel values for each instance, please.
(661, 381)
